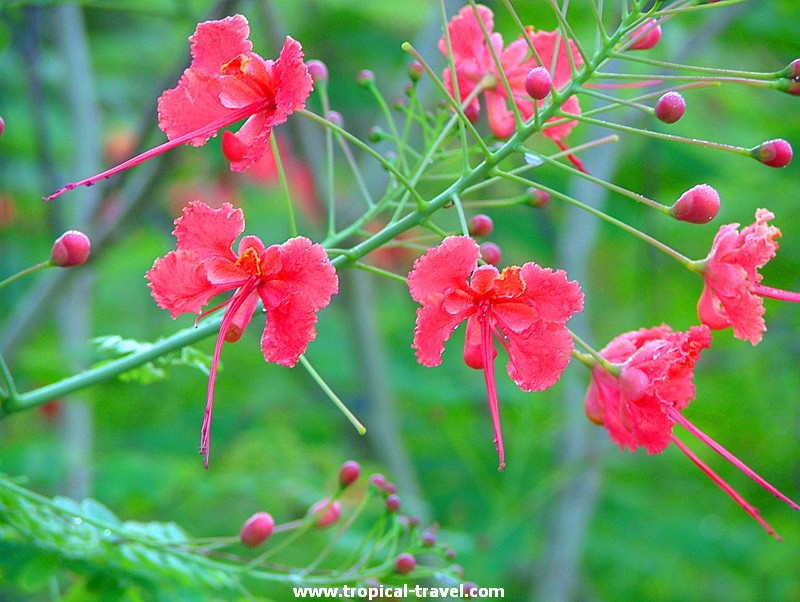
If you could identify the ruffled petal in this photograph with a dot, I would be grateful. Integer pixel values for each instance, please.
(294, 84)
(466, 37)
(549, 291)
(208, 232)
(444, 268)
(191, 106)
(214, 43)
(307, 272)
(289, 329)
(538, 355)
(178, 283)
(436, 321)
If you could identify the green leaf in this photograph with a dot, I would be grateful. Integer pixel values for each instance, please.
(115, 347)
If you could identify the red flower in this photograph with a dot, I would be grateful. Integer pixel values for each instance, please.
(226, 83)
(641, 404)
(473, 60)
(524, 307)
(732, 292)
(293, 281)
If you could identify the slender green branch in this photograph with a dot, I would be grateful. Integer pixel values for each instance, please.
(25, 272)
(273, 140)
(365, 267)
(683, 260)
(111, 369)
(10, 391)
(333, 397)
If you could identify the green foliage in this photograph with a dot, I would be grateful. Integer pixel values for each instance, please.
(157, 370)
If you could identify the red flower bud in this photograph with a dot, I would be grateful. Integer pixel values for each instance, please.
(793, 70)
(415, 71)
(318, 71)
(404, 563)
(698, 205)
(326, 512)
(538, 83)
(775, 153)
(378, 480)
(480, 225)
(392, 503)
(2, 126)
(349, 473)
(539, 198)
(646, 36)
(491, 253)
(70, 249)
(670, 107)
(365, 77)
(335, 117)
(429, 538)
(257, 529)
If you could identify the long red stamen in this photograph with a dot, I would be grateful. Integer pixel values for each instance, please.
(213, 127)
(776, 293)
(491, 386)
(751, 510)
(677, 417)
(235, 303)
(572, 158)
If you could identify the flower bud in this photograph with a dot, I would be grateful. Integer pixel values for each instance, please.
(491, 253)
(792, 70)
(404, 563)
(538, 83)
(775, 153)
(670, 107)
(594, 412)
(470, 590)
(429, 538)
(70, 249)
(318, 71)
(326, 512)
(480, 225)
(2, 126)
(257, 529)
(539, 198)
(415, 71)
(698, 205)
(646, 36)
(376, 134)
(378, 480)
(335, 117)
(365, 77)
(349, 473)
(392, 503)
(390, 487)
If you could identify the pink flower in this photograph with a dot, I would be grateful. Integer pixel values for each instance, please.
(640, 405)
(226, 83)
(473, 60)
(524, 307)
(732, 292)
(293, 281)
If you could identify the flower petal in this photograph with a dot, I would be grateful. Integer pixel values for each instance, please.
(307, 272)
(214, 43)
(289, 329)
(191, 106)
(178, 283)
(444, 268)
(538, 355)
(436, 321)
(209, 232)
(554, 297)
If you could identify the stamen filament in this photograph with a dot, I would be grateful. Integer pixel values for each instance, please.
(776, 293)
(491, 387)
(680, 419)
(206, 130)
(751, 510)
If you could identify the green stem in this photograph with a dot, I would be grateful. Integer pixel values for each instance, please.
(25, 272)
(10, 392)
(333, 397)
(683, 260)
(628, 56)
(273, 140)
(109, 370)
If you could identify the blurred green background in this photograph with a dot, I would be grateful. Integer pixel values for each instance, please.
(648, 528)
